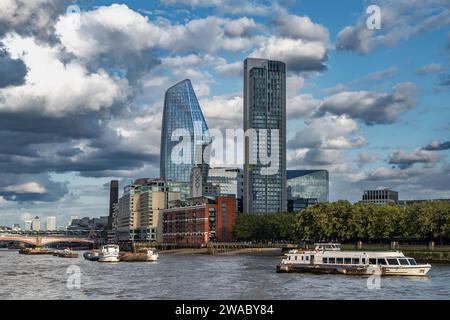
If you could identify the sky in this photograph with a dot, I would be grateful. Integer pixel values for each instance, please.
(81, 94)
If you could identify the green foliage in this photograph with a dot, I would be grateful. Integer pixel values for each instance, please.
(342, 221)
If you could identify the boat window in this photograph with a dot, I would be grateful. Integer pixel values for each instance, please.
(324, 260)
(307, 258)
(355, 260)
(363, 260)
(403, 262)
(302, 258)
(412, 261)
(347, 260)
(331, 260)
(295, 257)
(393, 262)
(382, 261)
(339, 260)
(372, 261)
(289, 258)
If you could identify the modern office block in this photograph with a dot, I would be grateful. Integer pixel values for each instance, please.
(264, 110)
(182, 114)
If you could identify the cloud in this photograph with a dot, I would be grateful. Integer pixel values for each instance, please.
(299, 27)
(328, 132)
(371, 107)
(406, 160)
(400, 20)
(38, 187)
(227, 6)
(429, 68)
(437, 146)
(301, 106)
(380, 75)
(365, 158)
(30, 18)
(12, 71)
(298, 54)
(30, 187)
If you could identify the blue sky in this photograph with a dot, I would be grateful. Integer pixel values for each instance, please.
(81, 100)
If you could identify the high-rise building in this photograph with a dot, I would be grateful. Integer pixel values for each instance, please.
(27, 226)
(182, 120)
(138, 214)
(113, 199)
(50, 223)
(229, 181)
(36, 224)
(306, 188)
(265, 114)
(380, 196)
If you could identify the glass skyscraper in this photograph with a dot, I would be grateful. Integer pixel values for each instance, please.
(308, 184)
(182, 112)
(264, 109)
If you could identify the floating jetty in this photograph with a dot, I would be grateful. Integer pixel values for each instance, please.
(35, 251)
(141, 255)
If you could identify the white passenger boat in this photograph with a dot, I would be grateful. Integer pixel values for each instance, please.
(328, 258)
(109, 253)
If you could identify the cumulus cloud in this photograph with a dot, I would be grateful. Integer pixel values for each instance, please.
(365, 158)
(371, 107)
(437, 146)
(301, 106)
(299, 27)
(400, 20)
(328, 132)
(298, 54)
(406, 160)
(30, 18)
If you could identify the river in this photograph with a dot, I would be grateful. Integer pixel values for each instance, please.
(199, 277)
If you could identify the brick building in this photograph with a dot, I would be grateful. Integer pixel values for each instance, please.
(199, 220)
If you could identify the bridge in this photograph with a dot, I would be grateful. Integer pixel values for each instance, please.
(36, 240)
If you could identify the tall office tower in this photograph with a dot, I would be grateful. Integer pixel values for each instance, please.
(36, 224)
(113, 199)
(51, 223)
(28, 224)
(265, 115)
(182, 120)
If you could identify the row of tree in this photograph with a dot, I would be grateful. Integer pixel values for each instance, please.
(342, 221)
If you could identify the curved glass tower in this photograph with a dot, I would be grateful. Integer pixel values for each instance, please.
(182, 113)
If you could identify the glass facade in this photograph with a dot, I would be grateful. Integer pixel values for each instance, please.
(308, 184)
(264, 109)
(182, 111)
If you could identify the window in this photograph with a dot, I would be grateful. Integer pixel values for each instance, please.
(339, 260)
(331, 260)
(393, 262)
(363, 260)
(325, 260)
(307, 258)
(403, 262)
(382, 261)
(412, 261)
(355, 260)
(347, 260)
(295, 257)
(372, 261)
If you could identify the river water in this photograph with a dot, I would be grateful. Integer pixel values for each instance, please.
(199, 277)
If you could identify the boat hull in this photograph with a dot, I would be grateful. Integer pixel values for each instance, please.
(419, 270)
(108, 259)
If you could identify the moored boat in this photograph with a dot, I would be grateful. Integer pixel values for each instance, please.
(35, 251)
(142, 255)
(93, 255)
(324, 260)
(109, 253)
(66, 253)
